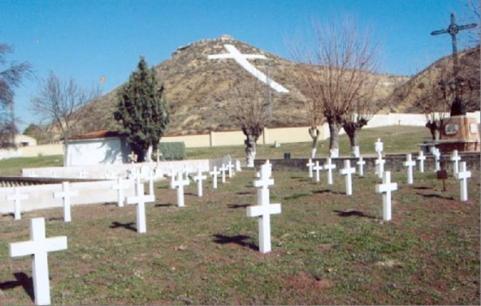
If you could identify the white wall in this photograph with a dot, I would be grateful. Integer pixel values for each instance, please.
(41, 196)
(95, 151)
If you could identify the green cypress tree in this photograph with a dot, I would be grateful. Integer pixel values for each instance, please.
(142, 111)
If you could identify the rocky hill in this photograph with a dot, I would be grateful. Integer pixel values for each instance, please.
(406, 97)
(197, 89)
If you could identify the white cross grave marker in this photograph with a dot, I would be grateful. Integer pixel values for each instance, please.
(421, 159)
(410, 164)
(66, 195)
(348, 172)
(360, 163)
(455, 158)
(140, 199)
(380, 166)
(238, 167)
(462, 176)
(120, 187)
(310, 164)
(269, 167)
(317, 168)
(241, 59)
(385, 189)
(222, 172)
(329, 166)
(38, 247)
(264, 210)
(179, 184)
(230, 168)
(379, 147)
(437, 155)
(17, 198)
(199, 178)
(214, 174)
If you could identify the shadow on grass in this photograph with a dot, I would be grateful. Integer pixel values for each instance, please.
(237, 239)
(129, 226)
(55, 219)
(235, 206)
(297, 196)
(322, 191)
(421, 188)
(352, 213)
(21, 279)
(434, 195)
(244, 192)
(164, 205)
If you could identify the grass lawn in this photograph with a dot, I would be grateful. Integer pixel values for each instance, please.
(396, 139)
(327, 248)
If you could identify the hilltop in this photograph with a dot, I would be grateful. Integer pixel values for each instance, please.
(198, 93)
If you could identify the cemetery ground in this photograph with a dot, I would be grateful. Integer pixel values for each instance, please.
(397, 139)
(327, 248)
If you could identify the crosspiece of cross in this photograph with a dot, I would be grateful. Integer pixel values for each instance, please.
(17, 198)
(242, 60)
(39, 246)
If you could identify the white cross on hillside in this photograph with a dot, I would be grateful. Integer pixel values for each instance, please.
(39, 246)
(317, 168)
(179, 184)
(199, 178)
(17, 198)
(242, 60)
(361, 162)
(230, 168)
(214, 173)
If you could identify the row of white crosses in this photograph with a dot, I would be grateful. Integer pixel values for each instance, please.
(263, 210)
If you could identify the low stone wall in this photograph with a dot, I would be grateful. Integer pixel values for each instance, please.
(394, 162)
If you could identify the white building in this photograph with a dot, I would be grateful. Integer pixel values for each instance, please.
(99, 147)
(24, 141)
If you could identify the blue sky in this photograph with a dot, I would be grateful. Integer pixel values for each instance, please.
(87, 40)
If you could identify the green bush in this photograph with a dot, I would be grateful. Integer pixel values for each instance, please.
(172, 150)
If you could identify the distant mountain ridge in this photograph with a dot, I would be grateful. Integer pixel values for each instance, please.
(197, 89)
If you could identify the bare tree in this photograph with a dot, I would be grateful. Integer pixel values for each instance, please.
(336, 74)
(360, 112)
(10, 77)
(250, 109)
(59, 102)
(435, 93)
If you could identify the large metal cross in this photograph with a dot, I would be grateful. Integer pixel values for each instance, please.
(457, 108)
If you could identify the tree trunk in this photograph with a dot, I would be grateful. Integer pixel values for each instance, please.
(250, 150)
(314, 133)
(334, 128)
(432, 126)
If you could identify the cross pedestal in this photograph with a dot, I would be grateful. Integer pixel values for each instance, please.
(17, 198)
(38, 247)
(421, 158)
(140, 199)
(462, 176)
(348, 172)
(66, 194)
(410, 164)
(385, 189)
